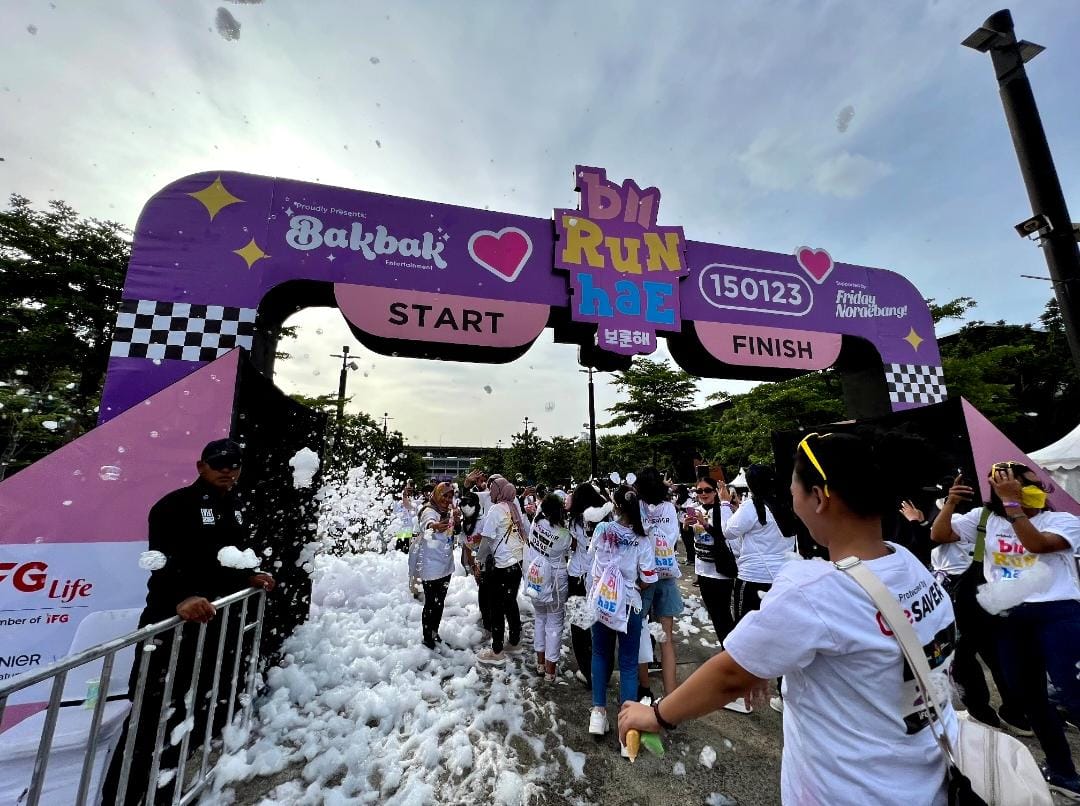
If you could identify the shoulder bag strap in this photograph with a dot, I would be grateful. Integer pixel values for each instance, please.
(905, 635)
(979, 551)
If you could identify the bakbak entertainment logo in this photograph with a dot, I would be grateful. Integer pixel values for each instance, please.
(33, 577)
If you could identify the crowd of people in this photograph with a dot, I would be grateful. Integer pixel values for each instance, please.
(998, 582)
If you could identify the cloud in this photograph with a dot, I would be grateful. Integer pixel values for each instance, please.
(848, 175)
(777, 160)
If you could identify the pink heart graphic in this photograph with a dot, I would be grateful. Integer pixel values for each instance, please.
(815, 262)
(503, 253)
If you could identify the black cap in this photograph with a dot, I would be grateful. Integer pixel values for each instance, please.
(222, 453)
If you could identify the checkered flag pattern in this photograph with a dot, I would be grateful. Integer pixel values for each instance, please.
(915, 383)
(180, 330)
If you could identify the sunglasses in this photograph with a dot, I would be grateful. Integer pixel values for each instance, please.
(804, 446)
(1020, 471)
(704, 490)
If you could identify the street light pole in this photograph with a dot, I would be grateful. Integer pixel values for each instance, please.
(997, 37)
(385, 418)
(344, 356)
(592, 421)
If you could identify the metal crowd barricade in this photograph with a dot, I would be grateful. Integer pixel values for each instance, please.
(58, 672)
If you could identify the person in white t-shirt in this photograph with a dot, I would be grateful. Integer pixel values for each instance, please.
(624, 543)
(502, 540)
(763, 546)
(547, 550)
(588, 507)
(432, 558)
(663, 601)
(1030, 567)
(855, 727)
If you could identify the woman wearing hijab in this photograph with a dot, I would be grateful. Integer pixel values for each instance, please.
(432, 558)
(502, 538)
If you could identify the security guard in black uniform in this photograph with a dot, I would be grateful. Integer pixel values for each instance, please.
(189, 527)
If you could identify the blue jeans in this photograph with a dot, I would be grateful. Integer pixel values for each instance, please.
(603, 656)
(1039, 639)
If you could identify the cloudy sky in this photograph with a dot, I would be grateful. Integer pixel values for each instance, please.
(863, 128)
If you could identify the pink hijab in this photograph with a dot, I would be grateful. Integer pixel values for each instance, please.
(503, 492)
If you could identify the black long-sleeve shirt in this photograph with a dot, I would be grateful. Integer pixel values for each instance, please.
(190, 526)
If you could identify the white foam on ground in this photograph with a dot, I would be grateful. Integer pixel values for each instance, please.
(366, 714)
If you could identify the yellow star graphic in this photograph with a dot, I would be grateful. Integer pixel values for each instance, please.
(914, 339)
(251, 253)
(215, 198)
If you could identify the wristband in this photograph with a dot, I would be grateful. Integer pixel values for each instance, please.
(1011, 504)
(726, 504)
(924, 523)
(1015, 518)
(659, 719)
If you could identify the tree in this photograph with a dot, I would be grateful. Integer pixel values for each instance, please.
(61, 278)
(360, 440)
(742, 433)
(656, 399)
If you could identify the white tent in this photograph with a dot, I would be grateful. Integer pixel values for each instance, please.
(1062, 461)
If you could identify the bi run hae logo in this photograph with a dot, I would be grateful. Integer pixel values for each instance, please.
(624, 269)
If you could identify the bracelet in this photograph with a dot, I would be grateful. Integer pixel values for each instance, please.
(1010, 504)
(726, 504)
(924, 522)
(659, 719)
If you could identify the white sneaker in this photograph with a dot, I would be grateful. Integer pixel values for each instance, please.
(512, 649)
(739, 706)
(539, 668)
(490, 657)
(598, 724)
(777, 704)
(549, 678)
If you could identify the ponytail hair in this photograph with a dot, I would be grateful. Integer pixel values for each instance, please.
(628, 505)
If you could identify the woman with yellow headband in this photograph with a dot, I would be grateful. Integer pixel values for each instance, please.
(855, 730)
(1029, 563)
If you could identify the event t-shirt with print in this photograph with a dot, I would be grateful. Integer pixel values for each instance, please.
(763, 549)
(704, 539)
(551, 541)
(615, 543)
(853, 732)
(1006, 559)
(506, 541)
(580, 561)
(432, 553)
(662, 519)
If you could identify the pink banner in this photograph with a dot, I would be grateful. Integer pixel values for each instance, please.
(988, 445)
(444, 318)
(757, 346)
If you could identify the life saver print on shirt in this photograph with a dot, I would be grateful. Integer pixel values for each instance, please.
(919, 603)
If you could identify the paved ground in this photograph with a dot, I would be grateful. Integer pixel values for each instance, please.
(747, 748)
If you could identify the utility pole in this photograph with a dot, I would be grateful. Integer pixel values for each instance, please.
(385, 418)
(345, 365)
(1051, 222)
(592, 421)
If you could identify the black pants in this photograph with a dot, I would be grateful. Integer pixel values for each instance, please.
(484, 590)
(716, 596)
(434, 600)
(978, 633)
(688, 543)
(747, 597)
(504, 607)
(580, 639)
(150, 714)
